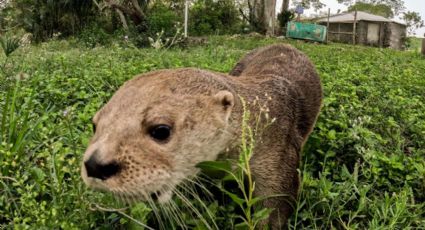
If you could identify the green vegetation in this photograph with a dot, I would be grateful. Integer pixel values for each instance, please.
(377, 9)
(214, 17)
(362, 168)
(413, 21)
(95, 22)
(414, 44)
(240, 173)
(140, 19)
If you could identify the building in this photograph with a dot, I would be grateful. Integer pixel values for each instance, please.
(372, 30)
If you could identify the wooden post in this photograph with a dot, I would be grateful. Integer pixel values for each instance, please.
(339, 32)
(382, 34)
(186, 17)
(354, 27)
(327, 25)
(423, 46)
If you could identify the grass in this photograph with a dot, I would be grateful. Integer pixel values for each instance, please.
(363, 166)
(415, 44)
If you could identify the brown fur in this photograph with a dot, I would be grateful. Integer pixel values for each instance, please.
(204, 110)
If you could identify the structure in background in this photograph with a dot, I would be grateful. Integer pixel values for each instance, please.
(367, 29)
(306, 31)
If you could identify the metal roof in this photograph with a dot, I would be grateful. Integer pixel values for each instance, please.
(348, 17)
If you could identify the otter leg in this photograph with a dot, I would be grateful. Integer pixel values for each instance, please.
(278, 180)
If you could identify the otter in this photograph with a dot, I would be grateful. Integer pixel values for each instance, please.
(158, 126)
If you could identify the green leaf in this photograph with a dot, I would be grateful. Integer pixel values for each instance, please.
(234, 197)
(241, 226)
(332, 135)
(255, 200)
(38, 174)
(140, 211)
(9, 45)
(262, 214)
(229, 177)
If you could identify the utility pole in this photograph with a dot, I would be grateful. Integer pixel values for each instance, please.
(186, 17)
(327, 25)
(354, 27)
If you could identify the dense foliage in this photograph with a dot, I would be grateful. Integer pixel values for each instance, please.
(413, 21)
(377, 9)
(139, 19)
(214, 17)
(162, 18)
(396, 6)
(94, 21)
(285, 17)
(45, 19)
(363, 166)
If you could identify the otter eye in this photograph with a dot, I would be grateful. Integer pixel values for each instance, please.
(160, 132)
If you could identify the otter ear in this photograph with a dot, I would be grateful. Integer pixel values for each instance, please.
(226, 101)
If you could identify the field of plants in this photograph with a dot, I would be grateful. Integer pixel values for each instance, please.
(362, 168)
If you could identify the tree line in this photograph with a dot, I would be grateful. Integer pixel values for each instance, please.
(45, 19)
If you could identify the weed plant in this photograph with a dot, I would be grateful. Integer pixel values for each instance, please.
(363, 166)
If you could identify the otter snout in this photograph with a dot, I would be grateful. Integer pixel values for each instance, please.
(99, 170)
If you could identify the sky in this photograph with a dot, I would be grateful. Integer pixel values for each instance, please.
(411, 5)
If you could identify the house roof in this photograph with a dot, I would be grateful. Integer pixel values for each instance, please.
(348, 17)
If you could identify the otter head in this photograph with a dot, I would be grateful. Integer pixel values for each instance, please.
(153, 132)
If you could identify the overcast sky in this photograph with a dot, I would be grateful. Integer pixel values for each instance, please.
(411, 5)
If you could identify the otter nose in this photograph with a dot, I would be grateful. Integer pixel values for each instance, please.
(101, 171)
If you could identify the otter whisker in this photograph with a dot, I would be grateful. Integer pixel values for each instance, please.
(195, 181)
(174, 209)
(120, 193)
(167, 217)
(154, 209)
(133, 198)
(191, 190)
(193, 208)
(176, 212)
(126, 196)
(170, 215)
(202, 178)
(202, 202)
(117, 196)
(190, 207)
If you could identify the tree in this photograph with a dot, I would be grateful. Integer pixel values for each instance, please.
(134, 9)
(413, 21)
(3, 4)
(211, 17)
(378, 9)
(177, 5)
(43, 19)
(397, 6)
(316, 4)
(285, 6)
(284, 17)
(269, 16)
(260, 14)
